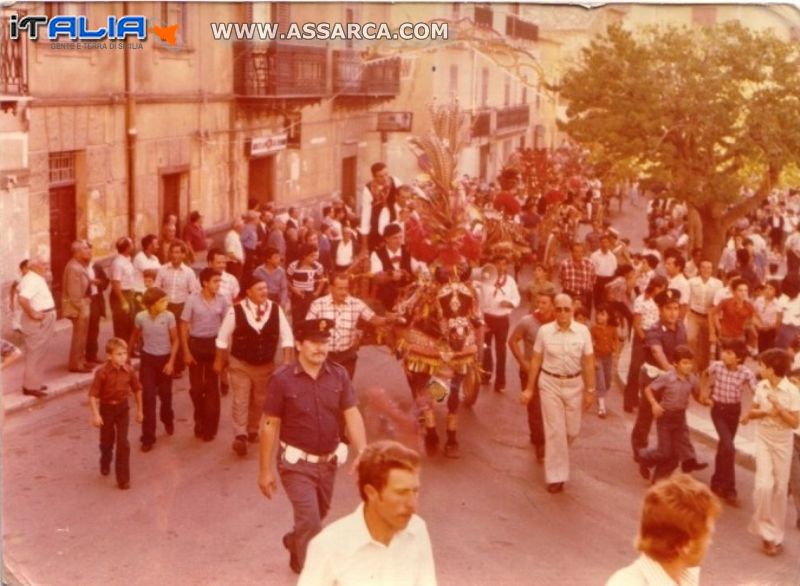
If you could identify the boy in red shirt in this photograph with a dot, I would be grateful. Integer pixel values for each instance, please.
(109, 400)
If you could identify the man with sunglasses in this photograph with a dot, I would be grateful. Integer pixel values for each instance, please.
(562, 369)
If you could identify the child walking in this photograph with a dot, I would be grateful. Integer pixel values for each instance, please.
(606, 345)
(158, 331)
(776, 407)
(723, 384)
(674, 389)
(109, 399)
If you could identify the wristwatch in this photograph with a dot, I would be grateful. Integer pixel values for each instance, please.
(590, 390)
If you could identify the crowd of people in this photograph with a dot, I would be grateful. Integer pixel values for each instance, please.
(274, 316)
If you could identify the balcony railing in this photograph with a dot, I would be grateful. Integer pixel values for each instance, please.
(352, 76)
(516, 28)
(13, 62)
(481, 123)
(513, 117)
(279, 70)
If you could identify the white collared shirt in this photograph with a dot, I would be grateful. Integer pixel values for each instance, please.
(376, 266)
(142, 262)
(605, 264)
(177, 283)
(366, 210)
(122, 270)
(680, 283)
(563, 350)
(286, 338)
(345, 253)
(345, 554)
(233, 246)
(229, 287)
(492, 293)
(33, 287)
(645, 571)
(701, 293)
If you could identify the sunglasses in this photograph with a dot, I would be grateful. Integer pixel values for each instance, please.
(563, 309)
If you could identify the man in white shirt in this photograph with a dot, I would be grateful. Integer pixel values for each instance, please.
(674, 263)
(234, 249)
(379, 205)
(677, 524)
(229, 286)
(248, 340)
(383, 541)
(392, 266)
(146, 258)
(123, 281)
(702, 289)
(37, 324)
(498, 300)
(562, 367)
(605, 266)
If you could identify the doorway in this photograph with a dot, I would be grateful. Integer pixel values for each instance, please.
(261, 179)
(171, 190)
(484, 162)
(63, 217)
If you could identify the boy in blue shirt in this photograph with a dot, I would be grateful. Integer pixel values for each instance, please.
(674, 388)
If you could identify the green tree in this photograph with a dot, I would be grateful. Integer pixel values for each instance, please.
(712, 114)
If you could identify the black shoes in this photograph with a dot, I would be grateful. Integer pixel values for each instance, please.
(240, 445)
(294, 563)
(451, 449)
(147, 447)
(555, 487)
(38, 393)
(539, 452)
(124, 485)
(693, 465)
(169, 427)
(105, 469)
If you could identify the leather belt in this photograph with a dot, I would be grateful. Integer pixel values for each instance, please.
(698, 313)
(561, 376)
(46, 310)
(303, 455)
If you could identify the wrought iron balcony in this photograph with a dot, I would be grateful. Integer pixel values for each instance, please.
(513, 118)
(13, 62)
(517, 28)
(481, 123)
(355, 77)
(279, 70)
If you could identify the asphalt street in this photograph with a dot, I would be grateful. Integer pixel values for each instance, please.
(195, 516)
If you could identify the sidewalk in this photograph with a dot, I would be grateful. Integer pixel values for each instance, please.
(57, 377)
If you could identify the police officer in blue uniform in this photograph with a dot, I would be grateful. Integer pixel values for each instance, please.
(304, 404)
(660, 342)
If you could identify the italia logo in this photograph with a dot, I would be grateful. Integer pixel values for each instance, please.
(76, 28)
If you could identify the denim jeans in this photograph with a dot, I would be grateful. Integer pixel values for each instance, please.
(725, 417)
(155, 384)
(673, 444)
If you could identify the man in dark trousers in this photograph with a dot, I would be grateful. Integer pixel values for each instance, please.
(305, 400)
(660, 343)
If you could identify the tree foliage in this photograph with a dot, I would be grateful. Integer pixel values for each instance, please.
(710, 113)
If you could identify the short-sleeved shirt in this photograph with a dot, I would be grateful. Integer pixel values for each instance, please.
(527, 328)
(648, 309)
(34, 288)
(733, 318)
(203, 316)
(155, 332)
(675, 390)
(309, 409)
(122, 270)
(681, 283)
(345, 317)
(790, 309)
(787, 394)
(727, 384)
(668, 339)
(141, 263)
(767, 311)
(604, 339)
(305, 278)
(114, 384)
(178, 283)
(563, 350)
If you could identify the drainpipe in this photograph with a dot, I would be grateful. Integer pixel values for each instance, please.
(130, 133)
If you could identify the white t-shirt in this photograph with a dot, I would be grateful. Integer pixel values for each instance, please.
(142, 262)
(34, 288)
(790, 309)
(605, 264)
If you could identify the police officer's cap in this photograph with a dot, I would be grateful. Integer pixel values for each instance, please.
(668, 296)
(316, 330)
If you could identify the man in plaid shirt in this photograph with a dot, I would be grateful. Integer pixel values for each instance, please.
(577, 276)
(723, 384)
(345, 311)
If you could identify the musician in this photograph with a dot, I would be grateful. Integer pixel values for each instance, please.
(392, 266)
(379, 205)
(344, 250)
